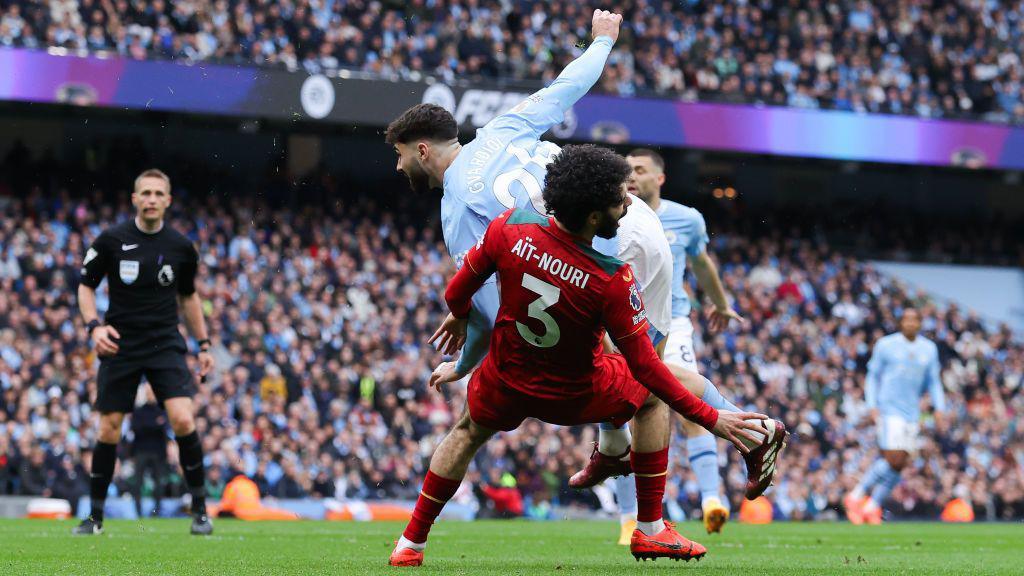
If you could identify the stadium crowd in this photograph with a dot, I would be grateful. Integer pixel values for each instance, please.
(319, 317)
(923, 58)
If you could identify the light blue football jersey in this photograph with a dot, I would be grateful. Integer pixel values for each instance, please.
(688, 236)
(900, 372)
(504, 167)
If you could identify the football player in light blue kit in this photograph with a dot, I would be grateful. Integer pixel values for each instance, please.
(687, 236)
(902, 368)
(503, 167)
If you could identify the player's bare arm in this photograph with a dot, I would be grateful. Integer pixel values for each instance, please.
(707, 276)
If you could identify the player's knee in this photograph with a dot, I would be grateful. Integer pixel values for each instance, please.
(897, 459)
(110, 428)
(182, 424)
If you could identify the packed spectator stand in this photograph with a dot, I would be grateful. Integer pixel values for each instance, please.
(319, 316)
(931, 58)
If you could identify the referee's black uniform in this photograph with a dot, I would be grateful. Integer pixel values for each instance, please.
(145, 275)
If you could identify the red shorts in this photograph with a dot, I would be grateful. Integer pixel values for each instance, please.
(615, 397)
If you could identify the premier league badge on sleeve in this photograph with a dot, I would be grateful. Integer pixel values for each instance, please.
(129, 271)
(166, 275)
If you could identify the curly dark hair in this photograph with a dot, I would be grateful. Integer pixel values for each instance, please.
(582, 179)
(422, 122)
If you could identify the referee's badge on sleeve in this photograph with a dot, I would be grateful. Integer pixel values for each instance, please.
(166, 275)
(129, 271)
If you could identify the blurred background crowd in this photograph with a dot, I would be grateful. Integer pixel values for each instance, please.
(320, 301)
(926, 58)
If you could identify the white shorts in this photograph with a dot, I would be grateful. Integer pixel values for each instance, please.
(679, 347)
(897, 433)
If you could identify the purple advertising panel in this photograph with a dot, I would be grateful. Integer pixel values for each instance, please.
(36, 76)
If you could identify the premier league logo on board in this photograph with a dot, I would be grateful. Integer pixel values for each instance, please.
(634, 298)
(129, 271)
(166, 275)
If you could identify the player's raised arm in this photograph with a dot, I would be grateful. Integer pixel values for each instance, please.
(626, 322)
(546, 107)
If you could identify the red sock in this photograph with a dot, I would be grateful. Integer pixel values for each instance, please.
(651, 470)
(434, 495)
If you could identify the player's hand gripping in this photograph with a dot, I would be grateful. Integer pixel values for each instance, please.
(103, 338)
(444, 374)
(733, 427)
(718, 319)
(606, 24)
(450, 336)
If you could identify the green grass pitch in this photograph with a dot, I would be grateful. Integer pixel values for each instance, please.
(158, 547)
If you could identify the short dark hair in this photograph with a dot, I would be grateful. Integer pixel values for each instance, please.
(422, 122)
(647, 152)
(583, 179)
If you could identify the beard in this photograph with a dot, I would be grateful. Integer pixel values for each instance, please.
(419, 182)
(608, 227)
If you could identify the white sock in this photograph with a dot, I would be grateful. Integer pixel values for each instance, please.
(870, 505)
(857, 493)
(651, 528)
(614, 442)
(404, 542)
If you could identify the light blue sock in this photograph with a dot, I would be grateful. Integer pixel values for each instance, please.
(610, 426)
(886, 483)
(875, 474)
(713, 397)
(703, 453)
(625, 495)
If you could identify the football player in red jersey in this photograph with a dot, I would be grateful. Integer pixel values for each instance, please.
(546, 360)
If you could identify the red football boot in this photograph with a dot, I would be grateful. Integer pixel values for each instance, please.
(405, 557)
(761, 460)
(665, 544)
(600, 468)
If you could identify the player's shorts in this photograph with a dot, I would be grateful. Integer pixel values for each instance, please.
(679, 348)
(118, 380)
(897, 433)
(615, 397)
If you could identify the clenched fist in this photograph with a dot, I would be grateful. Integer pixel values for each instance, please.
(606, 24)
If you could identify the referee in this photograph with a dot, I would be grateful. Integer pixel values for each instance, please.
(150, 269)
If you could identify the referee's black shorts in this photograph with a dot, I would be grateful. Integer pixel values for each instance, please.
(118, 379)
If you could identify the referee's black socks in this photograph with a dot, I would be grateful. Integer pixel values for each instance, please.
(104, 457)
(190, 452)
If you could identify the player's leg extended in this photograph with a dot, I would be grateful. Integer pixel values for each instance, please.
(654, 538)
(702, 452)
(447, 468)
(101, 473)
(891, 466)
(190, 454)
(763, 454)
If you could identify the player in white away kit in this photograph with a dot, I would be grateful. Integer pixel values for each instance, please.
(902, 368)
(684, 235)
(642, 244)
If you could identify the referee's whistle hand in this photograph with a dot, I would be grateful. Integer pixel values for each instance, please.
(103, 338)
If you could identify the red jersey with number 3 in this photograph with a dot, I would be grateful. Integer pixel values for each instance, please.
(558, 296)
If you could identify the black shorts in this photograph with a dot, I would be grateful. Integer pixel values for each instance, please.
(118, 380)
